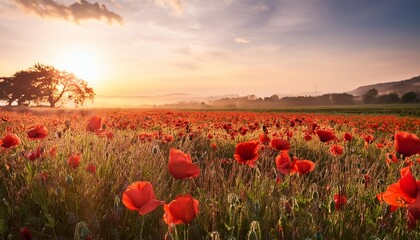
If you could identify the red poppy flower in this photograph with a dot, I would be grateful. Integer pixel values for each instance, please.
(91, 168)
(284, 163)
(368, 139)
(74, 161)
(391, 157)
(403, 192)
(214, 146)
(247, 153)
(10, 140)
(53, 151)
(340, 201)
(181, 166)
(336, 150)
(37, 131)
(288, 166)
(264, 138)
(25, 234)
(35, 154)
(307, 137)
(325, 135)
(348, 137)
(304, 166)
(95, 123)
(181, 210)
(280, 144)
(44, 176)
(407, 143)
(139, 196)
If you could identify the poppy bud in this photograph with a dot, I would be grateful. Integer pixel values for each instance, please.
(69, 180)
(214, 235)
(332, 206)
(288, 208)
(58, 191)
(67, 123)
(254, 232)
(25, 234)
(252, 235)
(315, 195)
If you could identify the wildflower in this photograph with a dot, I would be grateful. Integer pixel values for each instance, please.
(91, 168)
(340, 201)
(139, 196)
(280, 144)
(325, 135)
(336, 150)
(33, 155)
(348, 137)
(247, 153)
(264, 138)
(95, 123)
(368, 139)
(303, 166)
(181, 166)
(181, 210)
(407, 143)
(74, 161)
(37, 131)
(391, 157)
(404, 193)
(286, 165)
(10, 141)
(25, 234)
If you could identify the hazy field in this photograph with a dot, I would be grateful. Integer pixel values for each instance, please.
(66, 176)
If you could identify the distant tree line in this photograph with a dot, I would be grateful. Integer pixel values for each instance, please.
(43, 84)
(371, 97)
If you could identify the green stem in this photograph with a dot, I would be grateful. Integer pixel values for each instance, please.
(142, 225)
(186, 232)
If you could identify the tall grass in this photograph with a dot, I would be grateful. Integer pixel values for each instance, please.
(236, 201)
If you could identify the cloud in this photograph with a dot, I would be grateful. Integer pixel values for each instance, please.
(78, 11)
(175, 5)
(242, 40)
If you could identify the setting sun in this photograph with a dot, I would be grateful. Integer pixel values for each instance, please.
(83, 62)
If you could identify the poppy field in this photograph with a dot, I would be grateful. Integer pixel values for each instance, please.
(167, 174)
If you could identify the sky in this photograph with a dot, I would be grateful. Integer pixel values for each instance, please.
(215, 47)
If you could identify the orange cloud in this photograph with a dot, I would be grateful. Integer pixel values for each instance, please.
(76, 12)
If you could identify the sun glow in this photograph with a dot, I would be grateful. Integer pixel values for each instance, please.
(83, 62)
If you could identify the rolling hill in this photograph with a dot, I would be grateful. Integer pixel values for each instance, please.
(399, 87)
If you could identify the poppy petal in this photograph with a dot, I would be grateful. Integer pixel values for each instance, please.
(408, 182)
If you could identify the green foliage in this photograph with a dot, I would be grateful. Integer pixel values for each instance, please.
(44, 84)
(371, 96)
(236, 202)
(409, 97)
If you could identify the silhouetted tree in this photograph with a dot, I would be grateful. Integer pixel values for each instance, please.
(57, 84)
(371, 96)
(389, 98)
(43, 83)
(275, 97)
(342, 99)
(21, 88)
(409, 97)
